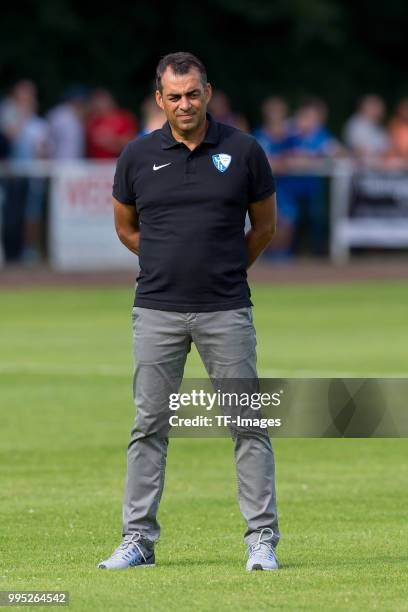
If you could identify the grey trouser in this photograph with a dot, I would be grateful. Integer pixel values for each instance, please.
(226, 342)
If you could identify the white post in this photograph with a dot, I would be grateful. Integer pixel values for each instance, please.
(339, 201)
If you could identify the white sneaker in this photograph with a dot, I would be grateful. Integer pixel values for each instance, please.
(261, 555)
(133, 552)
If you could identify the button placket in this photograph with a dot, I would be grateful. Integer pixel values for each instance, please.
(190, 167)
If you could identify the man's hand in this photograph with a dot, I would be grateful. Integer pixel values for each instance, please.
(127, 225)
(262, 215)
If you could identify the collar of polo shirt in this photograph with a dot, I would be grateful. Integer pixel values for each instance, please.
(211, 137)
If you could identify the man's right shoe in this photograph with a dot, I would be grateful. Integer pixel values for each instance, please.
(261, 554)
(134, 551)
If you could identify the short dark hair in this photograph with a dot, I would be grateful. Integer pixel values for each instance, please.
(180, 63)
(314, 103)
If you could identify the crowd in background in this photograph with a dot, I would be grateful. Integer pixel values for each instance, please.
(91, 125)
(300, 144)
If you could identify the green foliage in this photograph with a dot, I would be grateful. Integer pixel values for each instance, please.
(296, 47)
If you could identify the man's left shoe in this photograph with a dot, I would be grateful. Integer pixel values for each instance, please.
(261, 555)
(134, 551)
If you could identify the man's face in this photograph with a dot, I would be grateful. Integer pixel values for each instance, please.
(308, 119)
(373, 109)
(184, 99)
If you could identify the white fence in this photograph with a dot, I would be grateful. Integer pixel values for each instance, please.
(367, 208)
(81, 233)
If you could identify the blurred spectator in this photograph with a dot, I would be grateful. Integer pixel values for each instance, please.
(309, 144)
(4, 146)
(66, 121)
(273, 136)
(109, 128)
(274, 131)
(363, 132)
(220, 108)
(24, 201)
(153, 117)
(4, 153)
(399, 129)
(310, 139)
(25, 130)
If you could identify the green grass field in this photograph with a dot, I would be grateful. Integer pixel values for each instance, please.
(66, 412)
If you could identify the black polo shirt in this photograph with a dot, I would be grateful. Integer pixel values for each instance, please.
(192, 207)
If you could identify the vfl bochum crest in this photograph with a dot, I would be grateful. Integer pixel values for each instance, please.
(221, 161)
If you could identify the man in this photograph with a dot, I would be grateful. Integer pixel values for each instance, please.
(399, 130)
(28, 135)
(181, 195)
(309, 145)
(108, 128)
(274, 137)
(363, 132)
(67, 125)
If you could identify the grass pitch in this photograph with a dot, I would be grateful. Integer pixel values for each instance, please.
(65, 416)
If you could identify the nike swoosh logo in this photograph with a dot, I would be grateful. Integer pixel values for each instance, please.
(162, 166)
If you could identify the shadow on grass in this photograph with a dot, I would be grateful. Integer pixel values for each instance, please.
(232, 564)
(197, 563)
(327, 564)
(306, 565)
(363, 561)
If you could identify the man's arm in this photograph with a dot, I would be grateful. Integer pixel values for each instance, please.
(127, 225)
(262, 215)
